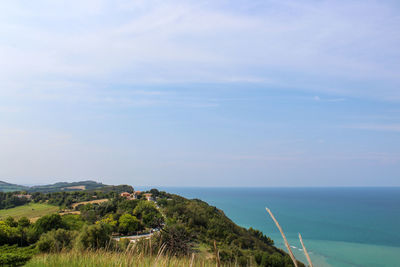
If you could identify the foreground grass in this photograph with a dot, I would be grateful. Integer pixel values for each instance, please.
(109, 259)
(30, 210)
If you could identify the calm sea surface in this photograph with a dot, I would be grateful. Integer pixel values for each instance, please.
(340, 226)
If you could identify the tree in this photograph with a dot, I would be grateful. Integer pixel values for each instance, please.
(47, 223)
(56, 240)
(108, 219)
(95, 236)
(11, 222)
(148, 213)
(129, 224)
(8, 234)
(24, 222)
(177, 240)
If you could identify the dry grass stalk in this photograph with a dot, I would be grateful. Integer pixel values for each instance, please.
(217, 254)
(305, 251)
(284, 238)
(191, 261)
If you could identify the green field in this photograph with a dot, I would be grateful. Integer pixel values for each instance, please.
(31, 210)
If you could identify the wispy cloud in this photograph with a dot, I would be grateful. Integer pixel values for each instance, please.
(303, 44)
(325, 99)
(376, 127)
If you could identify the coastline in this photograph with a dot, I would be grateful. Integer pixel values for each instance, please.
(336, 225)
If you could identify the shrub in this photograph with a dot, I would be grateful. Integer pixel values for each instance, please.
(128, 224)
(177, 240)
(8, 234)
(148, 213)
(56, 240)
(48, 223)
(73, 222)
(15, 256)
(24, 222)
(95, 236)
(275, 260)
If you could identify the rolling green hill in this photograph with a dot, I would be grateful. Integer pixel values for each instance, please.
(7, 187)
(31, 210)
(57, 187)
(64, 186)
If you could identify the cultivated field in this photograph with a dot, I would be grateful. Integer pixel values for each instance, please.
(31, 211)
(97, 201)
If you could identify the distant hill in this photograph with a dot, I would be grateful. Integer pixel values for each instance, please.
(7, 187)
(62, 186)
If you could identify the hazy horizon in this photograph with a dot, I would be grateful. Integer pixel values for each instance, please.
(261, 93)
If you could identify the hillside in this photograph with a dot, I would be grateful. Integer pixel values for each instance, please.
(8, 187)
(65, 186)
(57, 187)
(176, 226)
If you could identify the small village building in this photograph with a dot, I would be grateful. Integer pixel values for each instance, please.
(148, 196)
(125, 194)
(136, 194)
(24, 196)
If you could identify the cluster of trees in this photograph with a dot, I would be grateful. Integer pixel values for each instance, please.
(64, 199)
(9, 200)
(92, 229)
(124, 216)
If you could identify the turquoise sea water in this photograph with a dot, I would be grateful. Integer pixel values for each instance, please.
(340, 226)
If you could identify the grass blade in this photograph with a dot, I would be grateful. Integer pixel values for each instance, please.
(284, 238)
(305, 251)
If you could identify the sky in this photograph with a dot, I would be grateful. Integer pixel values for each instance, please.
(200, 93)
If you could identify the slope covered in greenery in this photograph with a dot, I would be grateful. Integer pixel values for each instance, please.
(8, 187)
(206, 224)
(173, 227)
(59, 187)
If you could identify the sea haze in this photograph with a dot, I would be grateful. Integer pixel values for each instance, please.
(340, 226)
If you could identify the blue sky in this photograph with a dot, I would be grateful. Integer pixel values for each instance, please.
(200, 93)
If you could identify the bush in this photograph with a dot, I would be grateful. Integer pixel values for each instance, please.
(56, 240)
(128, 224)
(275, 260)
(148, 213)
(15, 256)
(123, 244)
(177, 240)
(8, 234)
(95, 236)
(24, 222)
(48, 223)
(73, 222)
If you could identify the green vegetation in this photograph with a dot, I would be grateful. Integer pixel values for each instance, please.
(31, 210)
(64, 186)
(7, 187)
(173, 230)
(15, 256)
(110, 259)
(10, 200)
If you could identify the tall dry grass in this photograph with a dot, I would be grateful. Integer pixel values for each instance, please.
(305, 251)
(103, 258)
(287, 243)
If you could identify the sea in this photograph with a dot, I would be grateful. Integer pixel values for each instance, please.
(341, 227)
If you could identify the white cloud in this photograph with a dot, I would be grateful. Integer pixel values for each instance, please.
(318, 45)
